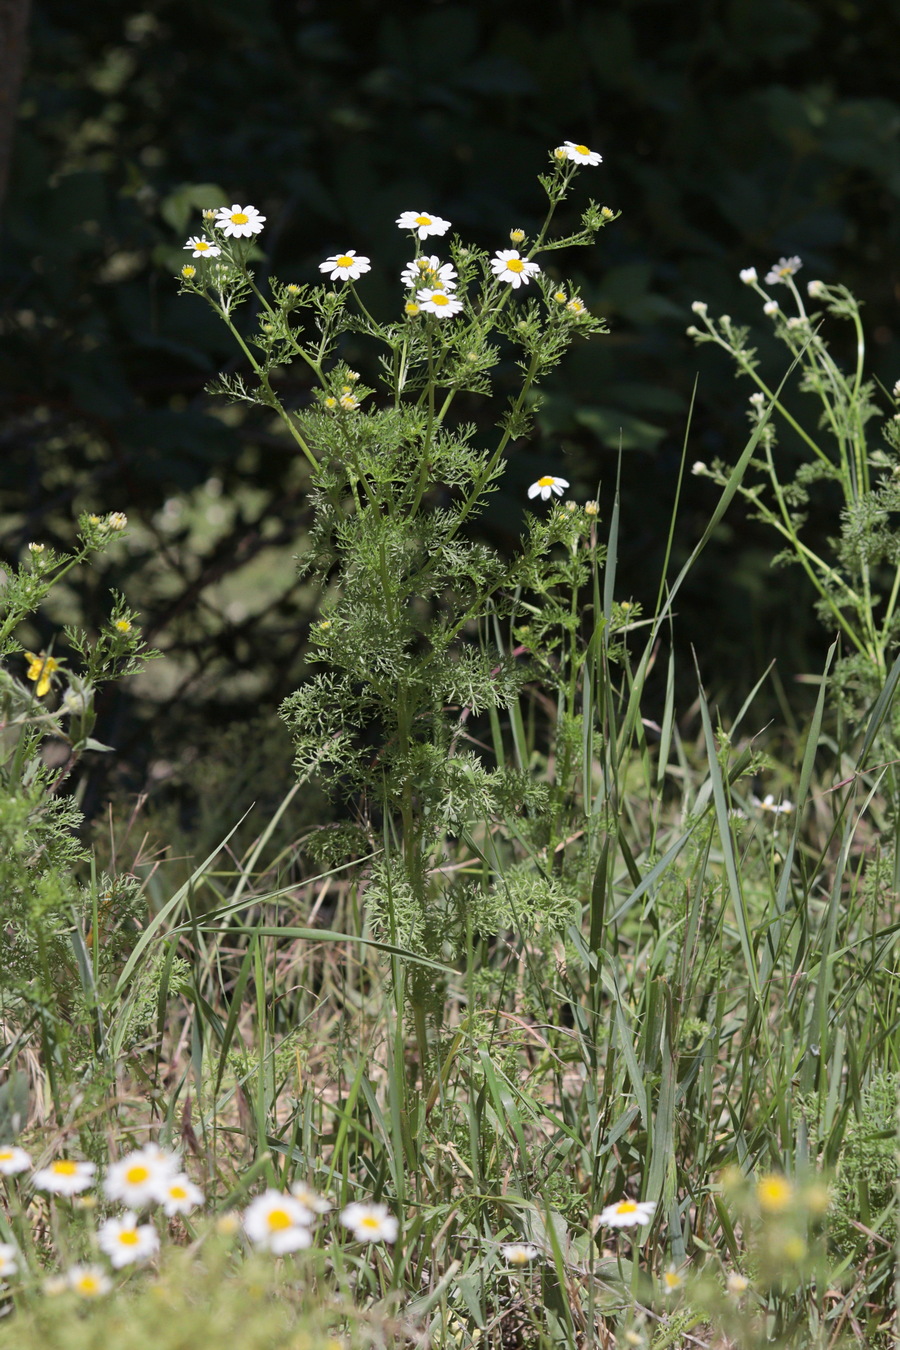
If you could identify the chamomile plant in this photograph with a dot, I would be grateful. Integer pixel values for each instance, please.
(411, 642)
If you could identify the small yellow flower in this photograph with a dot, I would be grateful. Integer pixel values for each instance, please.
(41, 668)
(292, 288)
(94, 520)
(559, 153)
(348, 402)
(774, 1193)
(818, 1199)
(576, 307)
(516, 236)
(591, 509)
(36, 548)
(736, 1284)
(116, 520)
(672, 1280)
(331, 401)
(411, 307)
(606, 213)
(560, 297)
(123, 625)
(794, 1248)
(353, 376)
(187, 271)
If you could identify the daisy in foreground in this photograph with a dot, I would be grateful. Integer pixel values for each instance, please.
(627, 1213)
(370, 1223)
(238, 222)
(65, 1177)
(125, 1241)
(346, 266)
(547, 485)
(423, 223)
(508, 266)
(278, 1223)
(88, 1281)
(202, 248)
(518, 1253)
(580, 154)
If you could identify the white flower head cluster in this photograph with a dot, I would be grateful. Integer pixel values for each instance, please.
(151, 1176)
(431, 272)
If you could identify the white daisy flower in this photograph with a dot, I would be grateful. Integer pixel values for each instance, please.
(65, 1177)
(518, 1253)
(310, 1199)
(202, 247)
(509, 267)
(429, 272)
(125, 1241)
(179, 1195)
(771, 307)
(346, 266)
(116, 520)
(816, 290)
(749, 276)
(8, 1260)
(13, 1160)
(784, 268)
(278, 1223)
(769, 803)
(580, 154)
(138, 1179)
(239, 222)
(370, 1223)
(88, 1281)
(672, 1280)
(576, 307)
(736, 1283)
(423, 223)
(439, 303)
(627, 1213)
(547, 485)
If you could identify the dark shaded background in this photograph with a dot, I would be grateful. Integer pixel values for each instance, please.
(732, 133)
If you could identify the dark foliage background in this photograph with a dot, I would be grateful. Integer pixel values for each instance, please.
(733, 131)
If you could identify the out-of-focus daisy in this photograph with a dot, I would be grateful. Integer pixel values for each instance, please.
(774, 1193)
(672, 1280)
(88, 1281)
(8, 1260)
(423, 223)
(771, 307)
(783, 269)
(239, 222)
(627, 1213)
(138, 1179)
(547, 485)
(518, 1253)
(65, 1177)
(125, 1241)
(202, 247)
(179, 1195)
(769, 804)
(509, 267)
(13, 1160)
(346, 266)
(40, 668)
(736, 1284)
(580, 154)
(370, 1223)
(308, 1198)
(749, 276)
(577, 307)
(429, 272)
(116, 520)
(439, 303)
(278, 1223)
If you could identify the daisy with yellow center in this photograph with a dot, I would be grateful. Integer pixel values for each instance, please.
(518, 1253)
(422, 223)
(672, 1281)
(370, 1223)
(547, 485)
(516, 271)
(188, 272)
(439, 303)
(123, 625)
(126, 1242)
(65, 1177)
(179, 1195)
(579, 154)
(41, 668)
(774, 1193)
(783, 270)
(431, 272)
(139, 1179)
(411, 308)
(116, 520)
(88, 1281)
(13, 1160)
(576, 307)
(278, 1223)
(202, 247)
(346, 266)
(627, 1213)
(239, 222)
(310, 1199)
